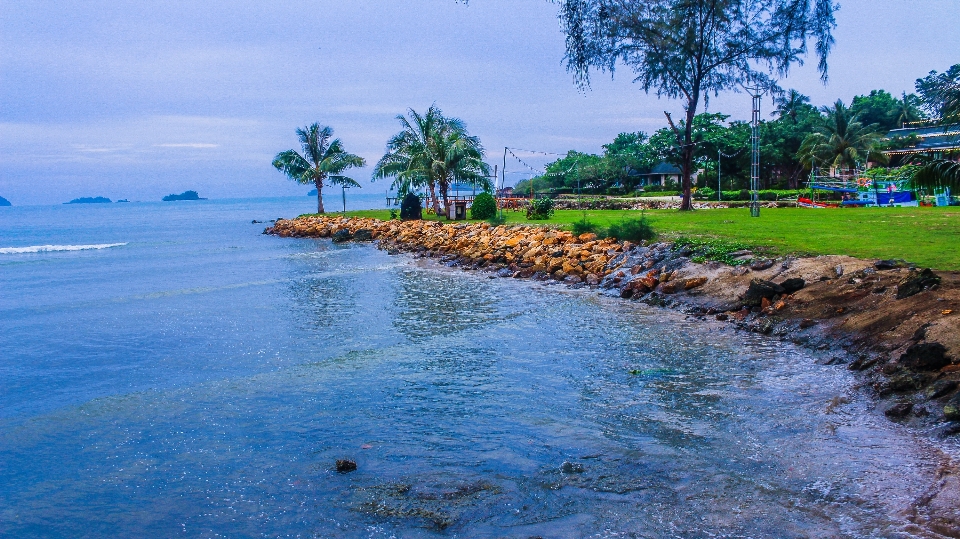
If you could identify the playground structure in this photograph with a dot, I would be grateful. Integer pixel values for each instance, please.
(862, 188)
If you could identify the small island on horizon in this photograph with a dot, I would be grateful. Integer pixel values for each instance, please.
(186, 195)
(5, 202)
(90, 200)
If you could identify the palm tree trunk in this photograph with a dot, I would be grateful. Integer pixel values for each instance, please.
(433, 195)
(319, 184)
(443, 194)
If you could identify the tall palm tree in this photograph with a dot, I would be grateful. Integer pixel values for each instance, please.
(322, 160)
(408, 158)
(842, 142)
(790, 105)
(458, 158)
(432, 152)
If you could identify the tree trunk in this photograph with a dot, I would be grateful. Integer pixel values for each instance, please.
(319, 184)
(687, 153)
(433, 195)
(443, 195)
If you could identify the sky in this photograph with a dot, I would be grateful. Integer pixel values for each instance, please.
(136, 100)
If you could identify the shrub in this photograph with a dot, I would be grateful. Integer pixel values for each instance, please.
(497, 220)
(633, 230)
(484, 206)
(744, 194)
(393, 214)
(584, 226)
(411, 208)
(716, 250)
(540, 209)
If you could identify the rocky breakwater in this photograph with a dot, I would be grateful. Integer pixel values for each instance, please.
(510, 251)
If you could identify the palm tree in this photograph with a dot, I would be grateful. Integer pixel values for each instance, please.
(458, 158)
(842, 142)
(408, 158)
(790, 105)
(432, 152)
(322, 160)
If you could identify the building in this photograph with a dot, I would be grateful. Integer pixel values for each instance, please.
(925, 138)
(661, 174)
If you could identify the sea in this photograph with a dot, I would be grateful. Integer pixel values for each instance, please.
(167, 370)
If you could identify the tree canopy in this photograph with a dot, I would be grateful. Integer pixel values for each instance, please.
(687, 49)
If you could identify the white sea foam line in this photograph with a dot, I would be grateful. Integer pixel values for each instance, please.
(51, 248)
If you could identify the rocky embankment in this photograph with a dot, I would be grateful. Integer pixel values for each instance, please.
(895, 324)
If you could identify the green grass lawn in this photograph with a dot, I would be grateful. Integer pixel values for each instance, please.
(926, 236)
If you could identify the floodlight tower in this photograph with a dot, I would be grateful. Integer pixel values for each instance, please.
(755, 154)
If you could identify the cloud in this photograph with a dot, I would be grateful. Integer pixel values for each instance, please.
(187, 145)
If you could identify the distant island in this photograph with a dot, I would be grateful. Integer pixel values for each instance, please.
(312, 193)
(186, 195)
(90, 200)
(123, 200)
(5, 202)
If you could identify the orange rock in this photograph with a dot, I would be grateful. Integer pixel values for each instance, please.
(694, 283)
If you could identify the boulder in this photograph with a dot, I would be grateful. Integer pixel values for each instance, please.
(760, 289)
(916, 283)
(341, 236)
(760, 265)
(364, 234)
(898, 410)
(941, 388)
(886, 264)
(793, 285)
(925, 357)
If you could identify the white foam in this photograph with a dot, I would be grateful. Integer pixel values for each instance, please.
(50, 248)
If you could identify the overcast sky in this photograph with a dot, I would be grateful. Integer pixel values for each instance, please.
(134, 99)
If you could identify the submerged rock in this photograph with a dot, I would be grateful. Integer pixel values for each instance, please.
(346, 466)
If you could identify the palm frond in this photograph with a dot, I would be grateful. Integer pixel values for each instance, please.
(938, 174)
(293, 165)
(343, 180)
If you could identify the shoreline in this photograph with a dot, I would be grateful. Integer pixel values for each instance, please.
(896, 326)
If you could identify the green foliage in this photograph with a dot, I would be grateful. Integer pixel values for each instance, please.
(633, 230)
(540, 209)
(842, 141)
(585, 226)
(711, 249)
(497, 220)
(937, 92)
(484, 206)
(411, 208)
(394, 215)
(884, 110)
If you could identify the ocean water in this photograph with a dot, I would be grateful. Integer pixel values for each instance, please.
(168, 371)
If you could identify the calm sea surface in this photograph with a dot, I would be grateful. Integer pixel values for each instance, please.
(190, 377)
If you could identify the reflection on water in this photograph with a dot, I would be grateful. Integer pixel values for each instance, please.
(474, 408)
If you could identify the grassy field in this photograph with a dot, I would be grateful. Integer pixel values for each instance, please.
(925, 236)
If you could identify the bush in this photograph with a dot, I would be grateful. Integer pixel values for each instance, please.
(633, 230)
(497, 220)
(411, 209)
(584, 226)
(540, 209)
(484, 206)
(711, 249)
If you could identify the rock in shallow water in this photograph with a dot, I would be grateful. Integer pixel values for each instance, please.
(346, 465)
(929, 356)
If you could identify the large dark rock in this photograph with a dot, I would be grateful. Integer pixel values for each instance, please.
(887, 264)
(760, 289)
(364, 234)
(900, 409)
(793, 285)
(916, 283)
(928, 356)
(341, 236)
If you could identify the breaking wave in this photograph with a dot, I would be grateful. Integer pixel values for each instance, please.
(50, 248)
